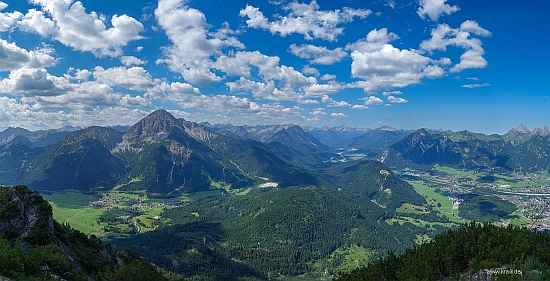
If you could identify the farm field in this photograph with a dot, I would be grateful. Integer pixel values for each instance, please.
(116, 212)
(438, 201)
(72, 208)
(113, 213)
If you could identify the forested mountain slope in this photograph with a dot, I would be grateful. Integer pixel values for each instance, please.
(518, 150)
(472, 250)
(284, 232)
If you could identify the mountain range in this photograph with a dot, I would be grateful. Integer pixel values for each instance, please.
(41, 138)
(159, 154)
(166, 156)
(163, 155)
(519, 150)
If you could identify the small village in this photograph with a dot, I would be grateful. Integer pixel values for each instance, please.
(530, 193)
(109, 202)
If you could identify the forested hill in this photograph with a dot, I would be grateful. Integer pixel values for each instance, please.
(33, 246)
(479, 250)
(285, 232)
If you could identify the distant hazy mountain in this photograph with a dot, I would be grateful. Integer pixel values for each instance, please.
(120, 128)
(336, 137)
(290, 142)
(373, 141)
(164, 155)
(521, 134)
(41, 138)
(519, 149)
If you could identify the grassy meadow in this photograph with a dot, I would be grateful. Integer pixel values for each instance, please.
(72, 208)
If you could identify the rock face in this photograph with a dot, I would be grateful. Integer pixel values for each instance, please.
(25, 218)
(542, 130)
(522, 129)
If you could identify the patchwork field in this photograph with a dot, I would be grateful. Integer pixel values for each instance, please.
(512, 180)
(484, 195)
(116, 212)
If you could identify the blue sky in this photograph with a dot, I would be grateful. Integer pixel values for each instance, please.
(480, 65)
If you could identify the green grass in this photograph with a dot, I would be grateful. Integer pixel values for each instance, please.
(355, 257)
(521, 221)
(403, 220)
(70, 198)
(203, 194)
(500, 179)
(453, 171)
(116, 188)
(219, 185)
(414, 209)
(515, 183)
(72, 208)
(445, 204)
(241, 191)
(421, 239)
(417, 222)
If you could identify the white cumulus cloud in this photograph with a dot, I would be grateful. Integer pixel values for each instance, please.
(133, 78)
(332, 103)
(393, 99)
(131, 60)
(13, 57)
(382, 66)
(339, 114)
(318, 55)
(194, 48)
(326, 77)
(392, 93)
(443, 35)
(32, 82)
(7, 20)
(305, 19)
(435, 8)
(68, 22)
(372, 100)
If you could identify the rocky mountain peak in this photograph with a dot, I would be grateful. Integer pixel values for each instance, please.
(16, 130)
(522, 129)
(542, 130)
(155, 127)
